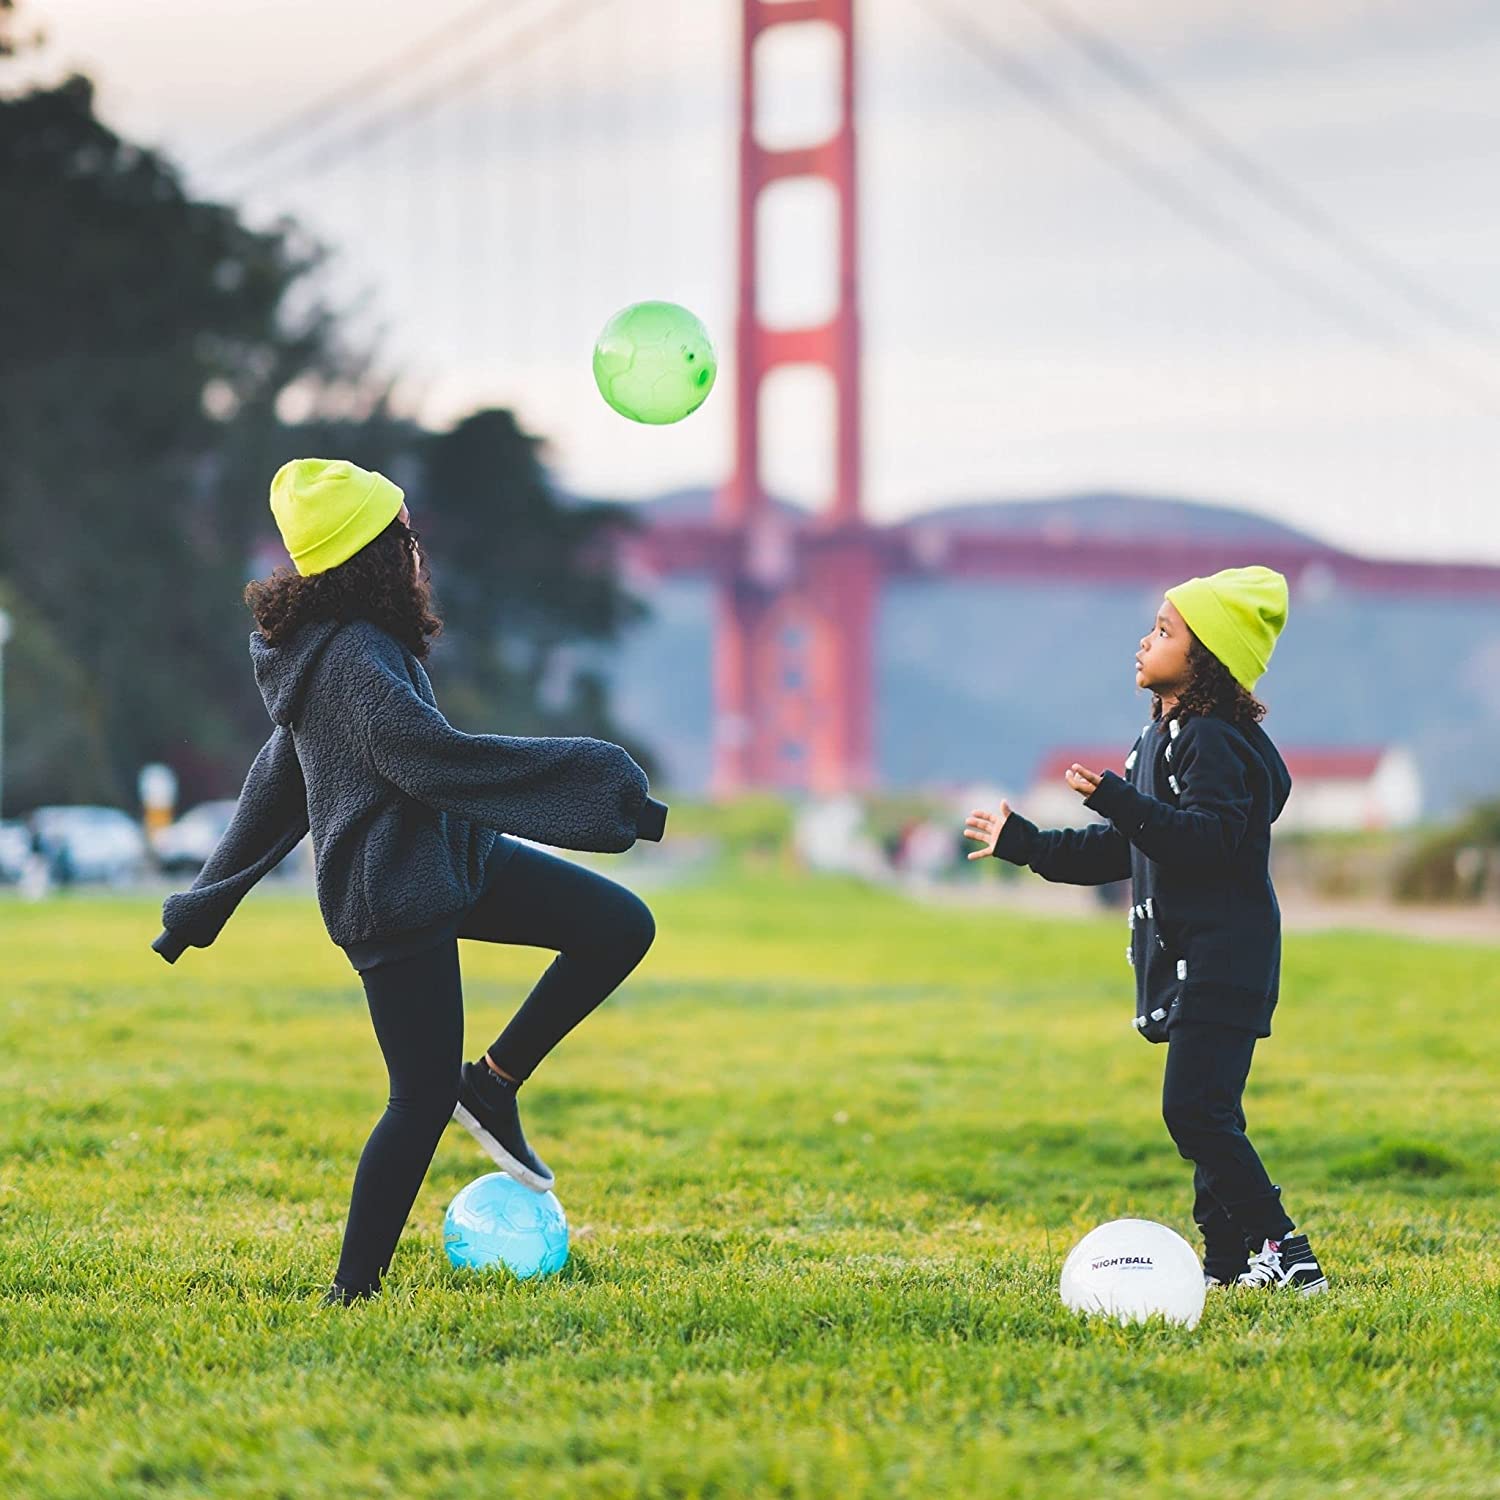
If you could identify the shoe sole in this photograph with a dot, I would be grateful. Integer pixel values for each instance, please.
(500, 1156)
(1310, 1290)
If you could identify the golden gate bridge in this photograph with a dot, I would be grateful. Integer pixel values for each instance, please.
(797, 598)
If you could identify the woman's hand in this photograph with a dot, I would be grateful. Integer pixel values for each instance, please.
(1084, 782)
(984, 828)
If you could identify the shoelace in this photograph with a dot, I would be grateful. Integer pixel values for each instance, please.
(1265, 1268)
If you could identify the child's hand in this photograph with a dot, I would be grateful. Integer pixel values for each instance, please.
(984, 828)
(1085, 783)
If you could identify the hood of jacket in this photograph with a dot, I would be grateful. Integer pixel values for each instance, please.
(283, 672)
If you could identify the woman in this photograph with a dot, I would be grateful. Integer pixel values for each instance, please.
(406, 814)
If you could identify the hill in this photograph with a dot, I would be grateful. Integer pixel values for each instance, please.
(965, 694)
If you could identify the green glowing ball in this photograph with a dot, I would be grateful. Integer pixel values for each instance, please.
(654, 362)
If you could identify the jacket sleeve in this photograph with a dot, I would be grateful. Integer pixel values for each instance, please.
(572, 793)
(269, 821)
(1066, 856)
(1213, 810)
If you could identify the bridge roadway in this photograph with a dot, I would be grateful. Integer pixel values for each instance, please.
(917, 549)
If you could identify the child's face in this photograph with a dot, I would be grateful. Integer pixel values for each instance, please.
(1161, 664)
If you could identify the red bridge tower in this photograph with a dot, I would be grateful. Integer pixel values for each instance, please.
(796, 602)
(793, 649)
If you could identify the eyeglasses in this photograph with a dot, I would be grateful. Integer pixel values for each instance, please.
(410, 533)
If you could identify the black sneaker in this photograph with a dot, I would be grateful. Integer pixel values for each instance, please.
(486, 1108)
(1286, 1265)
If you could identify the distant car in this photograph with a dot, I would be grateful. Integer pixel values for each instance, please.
(88, 842)
(15, 849)
(187, 843)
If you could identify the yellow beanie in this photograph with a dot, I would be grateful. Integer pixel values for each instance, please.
(327, 509)
(1237, 614)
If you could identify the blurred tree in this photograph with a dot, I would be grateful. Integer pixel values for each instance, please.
(523, 580)
(149, 350)
(52, 750)
(138, 322)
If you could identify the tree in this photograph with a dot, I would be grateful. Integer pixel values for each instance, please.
(51, 753)
(523, 580)
(146, 340)
(138, 322)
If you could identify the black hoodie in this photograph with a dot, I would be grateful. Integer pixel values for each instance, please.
(404, 809)
(1191, 829)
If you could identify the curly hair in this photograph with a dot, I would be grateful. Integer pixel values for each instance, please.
(1211, 690)
(377, 584)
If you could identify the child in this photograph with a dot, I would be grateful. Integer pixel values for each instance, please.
(405, 813)
(1191, 828)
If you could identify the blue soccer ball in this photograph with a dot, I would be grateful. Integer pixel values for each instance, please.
(494, 1221)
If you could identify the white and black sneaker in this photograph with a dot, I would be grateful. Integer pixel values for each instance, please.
(486, 1108)
(1286, 1265)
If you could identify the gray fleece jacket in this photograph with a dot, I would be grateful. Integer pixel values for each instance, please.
(403, 808)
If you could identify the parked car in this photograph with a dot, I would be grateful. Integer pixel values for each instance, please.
(15, 849)
(187, 843)
(87, 842)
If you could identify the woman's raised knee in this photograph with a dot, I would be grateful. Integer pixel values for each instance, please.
(619, 936)
(639, 928)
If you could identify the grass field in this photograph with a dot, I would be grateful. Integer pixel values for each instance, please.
(822, 1159)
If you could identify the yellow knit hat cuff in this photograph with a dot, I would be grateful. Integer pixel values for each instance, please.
(327, 509)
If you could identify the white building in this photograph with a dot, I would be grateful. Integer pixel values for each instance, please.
(1347, 790)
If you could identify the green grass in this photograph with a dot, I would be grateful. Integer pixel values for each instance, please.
(822, 1160)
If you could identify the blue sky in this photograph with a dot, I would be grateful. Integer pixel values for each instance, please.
(1033, 323)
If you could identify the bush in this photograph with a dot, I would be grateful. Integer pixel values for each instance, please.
(1456, 864)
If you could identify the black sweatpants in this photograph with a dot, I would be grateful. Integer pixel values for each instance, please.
(1236, 1204)
(600, 932)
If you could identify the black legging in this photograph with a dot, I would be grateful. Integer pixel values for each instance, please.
(1237, 1206)
(600, 932)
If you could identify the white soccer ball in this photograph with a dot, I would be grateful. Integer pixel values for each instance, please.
(1130, 1269)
